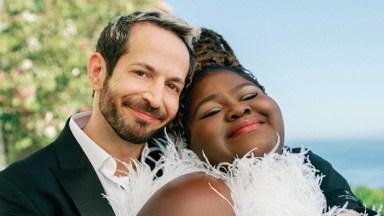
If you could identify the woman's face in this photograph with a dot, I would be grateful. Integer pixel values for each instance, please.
(230, 116)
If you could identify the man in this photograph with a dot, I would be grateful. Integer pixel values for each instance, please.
(137, 74)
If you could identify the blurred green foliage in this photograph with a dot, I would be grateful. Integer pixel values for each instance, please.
(45, 46)
(371, 198)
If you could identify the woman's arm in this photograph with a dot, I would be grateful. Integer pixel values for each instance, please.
(190, 195)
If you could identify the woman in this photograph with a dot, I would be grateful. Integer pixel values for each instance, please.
(226, 114)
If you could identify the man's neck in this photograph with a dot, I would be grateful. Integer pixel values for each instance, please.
(103, 135)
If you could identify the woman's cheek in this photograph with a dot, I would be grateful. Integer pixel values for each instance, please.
(201, 135)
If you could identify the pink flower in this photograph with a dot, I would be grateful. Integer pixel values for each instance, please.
(17, 94)
(84, 109)
(15, 73)
(85, 44)
(3, 75)
(30, 91)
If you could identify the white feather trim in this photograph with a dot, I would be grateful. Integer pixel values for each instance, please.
(271, 185)
(142, 182)
(275, 185)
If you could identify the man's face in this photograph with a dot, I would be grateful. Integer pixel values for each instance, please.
(142, 94)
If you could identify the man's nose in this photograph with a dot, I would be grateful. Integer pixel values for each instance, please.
(154, 95)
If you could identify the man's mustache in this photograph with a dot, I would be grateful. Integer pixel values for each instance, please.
(144, 106)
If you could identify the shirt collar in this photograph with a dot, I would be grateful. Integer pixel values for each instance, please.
(96, 155)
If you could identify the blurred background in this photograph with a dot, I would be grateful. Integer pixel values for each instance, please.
(322, 61)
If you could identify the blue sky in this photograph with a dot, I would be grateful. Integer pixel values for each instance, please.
(321, 60)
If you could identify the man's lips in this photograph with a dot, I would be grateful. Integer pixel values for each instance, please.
(245, 127)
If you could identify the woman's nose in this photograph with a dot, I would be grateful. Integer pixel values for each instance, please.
(237, 110)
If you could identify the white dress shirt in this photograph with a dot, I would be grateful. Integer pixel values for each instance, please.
(103, 163)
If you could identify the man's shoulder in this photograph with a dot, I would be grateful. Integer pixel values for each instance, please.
(33, 163)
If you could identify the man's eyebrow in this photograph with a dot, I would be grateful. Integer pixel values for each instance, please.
(151, 69)
(144, 65)
(178, 80)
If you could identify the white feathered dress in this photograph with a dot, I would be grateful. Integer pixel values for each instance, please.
(271, 185)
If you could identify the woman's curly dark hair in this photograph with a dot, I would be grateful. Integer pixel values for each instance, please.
(212, 53)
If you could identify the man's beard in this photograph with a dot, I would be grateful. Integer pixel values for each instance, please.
(134, 132)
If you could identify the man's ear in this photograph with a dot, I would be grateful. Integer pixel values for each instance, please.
(96, 71)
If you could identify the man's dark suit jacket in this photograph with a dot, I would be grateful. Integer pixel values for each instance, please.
(334, 186)
(56, 180)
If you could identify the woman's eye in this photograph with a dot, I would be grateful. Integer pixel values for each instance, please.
(249, 96)
(210, 113)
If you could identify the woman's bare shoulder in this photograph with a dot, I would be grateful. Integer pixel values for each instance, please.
(191, 194)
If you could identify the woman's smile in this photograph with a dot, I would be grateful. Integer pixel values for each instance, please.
(246, 126)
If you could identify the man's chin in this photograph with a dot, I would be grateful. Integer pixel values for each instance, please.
(137, 136)
(138, 140)
(149, 125)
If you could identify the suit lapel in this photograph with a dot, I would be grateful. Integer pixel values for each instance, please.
(78, 178)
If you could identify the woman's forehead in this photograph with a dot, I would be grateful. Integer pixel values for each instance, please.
(219, 78)
(217, 83)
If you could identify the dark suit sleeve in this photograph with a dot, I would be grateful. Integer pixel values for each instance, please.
(13, 201)
(335, 187)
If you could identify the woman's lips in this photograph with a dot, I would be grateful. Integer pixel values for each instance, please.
(245, 127)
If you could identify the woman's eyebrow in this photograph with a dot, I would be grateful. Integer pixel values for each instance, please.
(242, 85)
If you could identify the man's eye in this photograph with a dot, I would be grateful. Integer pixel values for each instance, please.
(249, 96)
(173, 87)
(140, 73)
